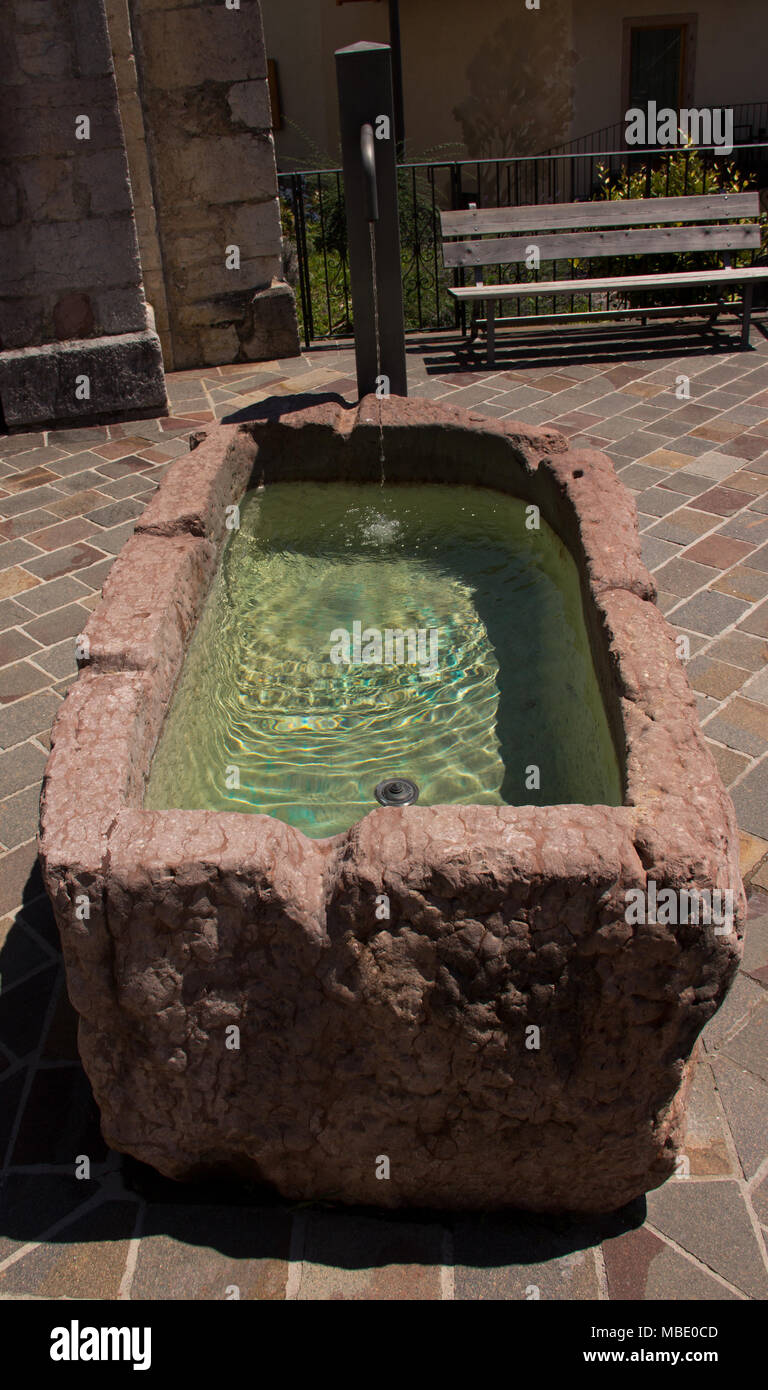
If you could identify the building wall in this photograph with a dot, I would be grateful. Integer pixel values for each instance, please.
(69, 255)
(729, 61)
(75, 337)
(202, 81)
(496, 78)
(129, 98)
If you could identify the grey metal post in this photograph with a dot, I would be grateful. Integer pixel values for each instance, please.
(364, 76)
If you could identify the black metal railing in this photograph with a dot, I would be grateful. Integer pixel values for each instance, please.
(314, 223)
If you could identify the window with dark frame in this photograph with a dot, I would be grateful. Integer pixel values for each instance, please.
(656, 65)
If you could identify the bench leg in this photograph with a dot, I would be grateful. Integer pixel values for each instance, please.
(490, 333)
(746, 314)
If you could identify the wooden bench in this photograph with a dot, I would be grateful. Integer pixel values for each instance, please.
(494, 236)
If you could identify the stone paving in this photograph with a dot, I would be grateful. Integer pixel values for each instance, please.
(698, 466)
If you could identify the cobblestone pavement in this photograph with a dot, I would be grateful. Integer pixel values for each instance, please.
(698, 467)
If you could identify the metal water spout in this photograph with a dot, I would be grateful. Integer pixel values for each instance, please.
(368, 140)
(368, 156)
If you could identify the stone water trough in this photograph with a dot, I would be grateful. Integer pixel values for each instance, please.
(506, 1037)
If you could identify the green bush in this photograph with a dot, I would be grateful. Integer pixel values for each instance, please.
(683, 172)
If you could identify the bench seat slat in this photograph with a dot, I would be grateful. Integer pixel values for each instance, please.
(609, 282)
(542, 217)
(569, 245)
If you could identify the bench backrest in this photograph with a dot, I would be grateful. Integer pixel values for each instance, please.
(566, 236)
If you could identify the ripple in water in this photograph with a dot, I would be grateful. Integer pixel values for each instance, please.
(262, 703)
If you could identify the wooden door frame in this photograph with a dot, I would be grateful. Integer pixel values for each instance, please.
(689, 24)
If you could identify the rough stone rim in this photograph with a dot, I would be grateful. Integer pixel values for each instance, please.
(139, 633)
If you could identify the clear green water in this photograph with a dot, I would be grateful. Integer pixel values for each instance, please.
(512, 685)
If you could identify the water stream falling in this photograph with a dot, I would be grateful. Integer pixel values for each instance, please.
(372, 230)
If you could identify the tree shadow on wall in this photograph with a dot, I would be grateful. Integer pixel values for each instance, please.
(520, 97)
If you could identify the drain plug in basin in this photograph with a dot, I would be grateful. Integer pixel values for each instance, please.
(396, 791)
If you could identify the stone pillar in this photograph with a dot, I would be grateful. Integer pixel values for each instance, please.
(203, 83)
(132, 117)
(76, 338)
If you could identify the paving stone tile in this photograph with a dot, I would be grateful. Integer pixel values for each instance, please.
(724, 501)
(60, 660)
(710, 1220)
(682, 576)
(11, 613)
(25, 523)
(62, 622)
(695, 448)
(714, 677)
(28, 478)
(684, 482)
(64, 561)
(19, 817)
(86, 1260)
(353, 1257)
(756, 688)
(655, 551)
(757, 622)
(17, 552)
(13, 444)
(750, 799)
(502, 1256)
(709, 612)
(113, 538)
(758, 560)
(745, 1101)
(719, 551)
(751, 850)
(714, 464)
(80, 482)
(33, 1203)
(14, 645)
(78, 504)
(746, 526)
(61, 1036)
(744, 480)
(115, 512)
(656, 501)
(61, 534)
(20, 767)
(19, 679)
(55, 594)
(81, 434)
(60, 1119)
(32, 500)
(190, 1252)
(94, 575)
(684, 525)
(743, 582)
(119, 448)
(638, 477)
(705, 705)
(22, 1013)
(21, 954)
(75, 463)
(14, 581)
(730, 765)
(666, 459)
(742, 999)
(705, 1142)
(25, 718)
(641, 1266)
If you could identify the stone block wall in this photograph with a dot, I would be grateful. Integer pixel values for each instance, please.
(202, 77)
(69, 261)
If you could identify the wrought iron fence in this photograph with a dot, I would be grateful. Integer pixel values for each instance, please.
(314, 225)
